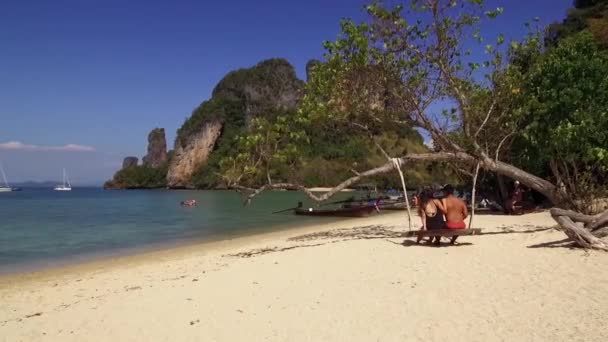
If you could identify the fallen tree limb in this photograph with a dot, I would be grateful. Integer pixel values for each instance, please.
(600, 221)
(580, 235)
(577, 217)
(592, 222)
(601, 233)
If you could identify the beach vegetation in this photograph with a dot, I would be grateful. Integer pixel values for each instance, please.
(139, 177)
(519, 109)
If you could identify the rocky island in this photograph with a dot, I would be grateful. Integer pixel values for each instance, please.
(268, 89)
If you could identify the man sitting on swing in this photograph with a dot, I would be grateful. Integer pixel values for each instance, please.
(455, 211)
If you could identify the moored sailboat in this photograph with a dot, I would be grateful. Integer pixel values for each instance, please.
(66, 186)
(6, 187)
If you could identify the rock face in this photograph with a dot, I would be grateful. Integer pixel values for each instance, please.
(309, 66)
(269, 87)
(129, 162)
(157, 149)
(186, 159)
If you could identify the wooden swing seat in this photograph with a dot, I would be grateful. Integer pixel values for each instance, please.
(443, 232)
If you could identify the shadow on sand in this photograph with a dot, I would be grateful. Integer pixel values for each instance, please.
(529, 230)
(565, 243)
(388, 233)
(412, 243)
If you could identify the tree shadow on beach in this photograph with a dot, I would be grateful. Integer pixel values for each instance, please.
(565, 243)
(356, 233)
(510, 230)
(328, 237)
(372, 232)
(412, 243)
(369, 232)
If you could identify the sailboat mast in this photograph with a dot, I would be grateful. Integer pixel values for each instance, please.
(67, 179)
(3, 176)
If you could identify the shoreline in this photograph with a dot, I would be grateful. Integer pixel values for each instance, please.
(135, 255)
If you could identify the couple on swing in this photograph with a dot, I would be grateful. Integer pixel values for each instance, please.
(432, 210)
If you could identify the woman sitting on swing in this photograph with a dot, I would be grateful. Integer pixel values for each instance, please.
(431, 212)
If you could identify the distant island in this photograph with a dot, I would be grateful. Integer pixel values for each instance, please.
(48, 184)
(36, 184)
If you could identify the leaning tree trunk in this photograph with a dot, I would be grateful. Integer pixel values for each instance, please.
(502, 188)
(586, 231)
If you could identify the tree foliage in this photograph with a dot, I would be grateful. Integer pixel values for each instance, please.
(139, 177)
(564, 116)
(268, 149)
(412, 66)
(591, 15)
(395, 69)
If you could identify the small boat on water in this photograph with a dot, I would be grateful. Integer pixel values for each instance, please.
(393, 205)
(64, 187)
(351, 211)
(381, 203)
(6, 187)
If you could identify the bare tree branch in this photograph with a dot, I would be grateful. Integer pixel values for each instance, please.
(600, 221)
(473, 195)
(582, 236)
(500, 144)
(487, 115)
(389, 166)
(372, 138)
(578, 217)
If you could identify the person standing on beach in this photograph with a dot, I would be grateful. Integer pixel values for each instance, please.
(515, 199)
(455, 211)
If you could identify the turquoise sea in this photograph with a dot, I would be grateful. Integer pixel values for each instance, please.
(41, 228)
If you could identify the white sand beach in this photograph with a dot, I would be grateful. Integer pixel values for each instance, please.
(354, 280)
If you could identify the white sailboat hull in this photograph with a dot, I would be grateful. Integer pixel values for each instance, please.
(64, 187)
(6, 187)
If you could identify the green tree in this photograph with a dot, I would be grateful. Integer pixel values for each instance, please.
(139, 177)
(564, 125)
(398, 66)
(268, 149)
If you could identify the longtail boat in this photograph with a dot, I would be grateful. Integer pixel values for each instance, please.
(383, 204)
(392, 206)
(354, 211)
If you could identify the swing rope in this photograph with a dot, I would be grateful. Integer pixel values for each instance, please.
(397, 163)
(473, 196)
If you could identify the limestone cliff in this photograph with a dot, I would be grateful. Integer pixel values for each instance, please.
(269, 87)
(129, 162)
(191, 155)
(157, 149)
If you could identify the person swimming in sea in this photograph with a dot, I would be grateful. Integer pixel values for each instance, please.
(188, 203)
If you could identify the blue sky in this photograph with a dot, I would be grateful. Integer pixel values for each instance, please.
(82, 82)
